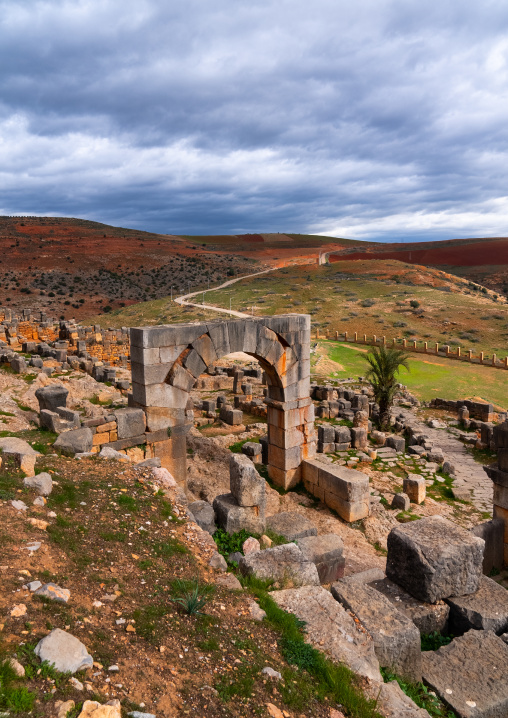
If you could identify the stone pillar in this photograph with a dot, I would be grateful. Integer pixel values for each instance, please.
(481, 357)
(499, 476)
(374, 339)
(356, 337)
(426, 347)
(447, 350)
(470, 355)
(494, 360)
(365, 339)
(237, 380)
(404, 343)
(414, 344)
(437, 348)
(336, 335)
(384, 341)
(345, 339)
(506, 362)
(458, 352)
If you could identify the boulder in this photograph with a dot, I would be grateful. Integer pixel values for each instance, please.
(391, 701)
(252, 450)
(78, 441)
(65, 652)
(94, 709)
(326, 552)
(291, 525)
(469, 675)
(330, 628)
(433, 558)
(486, 609)
(284, 563)
(52, 396)
(42, 483)
(204, 515)
(396, 638)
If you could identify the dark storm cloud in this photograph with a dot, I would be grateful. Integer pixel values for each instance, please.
(376, 119)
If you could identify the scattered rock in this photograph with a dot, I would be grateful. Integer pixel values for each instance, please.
(486, 609)
(39, 501)
(256, 612)
(65, 652)
(267, 671)
(138, 714)
(401, 502)
(19, 505)
(204, 515)
(229, 580)
(78, 441)
(38, 523)
(218, 561)
(64, 708)
(76, 684)
(274, 711)
(265, 542)
(54, 592)
(17, 667)
(92, 709)
(42, 483)
(251, 545)
(18, 610)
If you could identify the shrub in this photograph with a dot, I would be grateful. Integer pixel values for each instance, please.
(414, 303)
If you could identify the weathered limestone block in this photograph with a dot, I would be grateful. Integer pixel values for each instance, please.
(396, 442)
(42, 483)
(291, 525)
(204, 515)
(343, 490)
(285, 564)
(414, 486)
(78, 441)
(485, 610)
(131, 422)
(396, 638)
(253, 450)
(427, 617)
(359, 438)
(63, 651)
(433, 558)
(326, 551)
(52, 396)
(233, 417)
(470, 675)
(401, 501)
(247, 486)
(330, 628)
(232, 517)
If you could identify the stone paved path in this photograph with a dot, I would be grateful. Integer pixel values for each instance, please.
(469, 473)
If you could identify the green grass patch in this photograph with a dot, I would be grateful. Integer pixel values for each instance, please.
(435, 640)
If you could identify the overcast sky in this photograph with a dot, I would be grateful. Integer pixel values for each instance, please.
(370, 119)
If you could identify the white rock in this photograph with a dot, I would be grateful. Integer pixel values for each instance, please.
(76, 684)
(19, 505)
(271, 673)
(64, 651)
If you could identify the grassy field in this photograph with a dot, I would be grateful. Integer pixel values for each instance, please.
(372, 299)
(427, 378)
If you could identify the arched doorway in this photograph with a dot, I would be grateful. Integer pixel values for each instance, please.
(167, 361)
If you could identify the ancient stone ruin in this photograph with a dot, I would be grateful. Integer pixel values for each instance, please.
(167, 361)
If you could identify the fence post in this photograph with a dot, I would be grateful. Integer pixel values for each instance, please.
(404, 343)
(481, 357)
(384, 341)
(458, 352)
(494, 360)
(425, 347)
(437, 348)
(470, 352)
(356, 337)
(414, 344)
(345, 336)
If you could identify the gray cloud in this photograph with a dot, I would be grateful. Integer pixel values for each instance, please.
(379, 119)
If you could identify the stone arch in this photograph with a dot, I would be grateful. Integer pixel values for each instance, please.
(167, 361)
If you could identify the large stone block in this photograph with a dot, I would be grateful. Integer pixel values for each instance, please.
(232, 517)
(470, 675)
(433, 558)
(485, 610)
(396, 638)
(247, 486)
(427, 617)
(326, 551)
(348, 484)
(52, 396)
(329, 627)
(414, 486)
(492, 532)
(205, 348)
(286, 459)
(291, 525)
(349, 511)
(285, 564)
(219, 334)
(131, 422)
(194, 363)
(204, 515)
(78, 441)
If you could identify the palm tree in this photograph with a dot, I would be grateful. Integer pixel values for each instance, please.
(384, 364)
